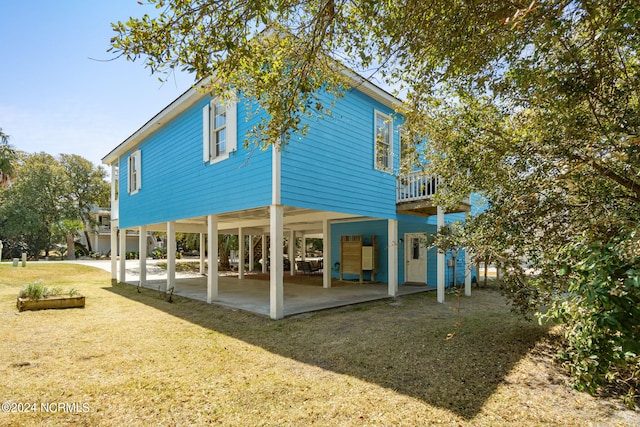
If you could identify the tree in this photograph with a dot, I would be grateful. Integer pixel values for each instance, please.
(226, 244)
(188, 242)
(31, 205)
(50, 201)
(85, 188)
(533, 105)
(67, 230)
(8, 158)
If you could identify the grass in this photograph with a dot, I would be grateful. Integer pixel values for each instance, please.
(132, 358)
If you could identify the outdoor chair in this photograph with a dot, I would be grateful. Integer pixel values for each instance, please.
(306, 267)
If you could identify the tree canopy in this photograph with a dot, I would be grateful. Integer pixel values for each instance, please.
(535, 105)
(49, 201)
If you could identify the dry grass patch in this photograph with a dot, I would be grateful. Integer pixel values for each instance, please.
(135, 359)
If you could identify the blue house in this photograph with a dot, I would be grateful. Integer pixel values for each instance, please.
(187, 170)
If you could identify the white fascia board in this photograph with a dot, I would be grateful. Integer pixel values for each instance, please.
(365, 86)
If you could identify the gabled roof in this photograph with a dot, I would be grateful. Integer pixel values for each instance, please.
(192, 96)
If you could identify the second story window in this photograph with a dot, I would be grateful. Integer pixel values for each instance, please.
(219, 134)
(218, 130)
(134, 180)
(383, 142)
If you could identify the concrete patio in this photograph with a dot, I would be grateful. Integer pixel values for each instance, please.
(301, 293)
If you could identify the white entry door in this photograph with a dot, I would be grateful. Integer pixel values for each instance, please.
(416, 258)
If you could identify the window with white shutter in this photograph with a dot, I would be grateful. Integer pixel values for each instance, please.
(135, 172)
(219, 136)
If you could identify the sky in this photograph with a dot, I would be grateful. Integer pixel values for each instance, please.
(61, 91)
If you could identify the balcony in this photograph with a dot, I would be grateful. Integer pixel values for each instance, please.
(103, 229)
(414, 193)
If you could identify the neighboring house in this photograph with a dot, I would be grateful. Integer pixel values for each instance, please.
(187, 170)
(100, 234)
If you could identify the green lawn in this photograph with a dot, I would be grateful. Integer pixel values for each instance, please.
(131, 359)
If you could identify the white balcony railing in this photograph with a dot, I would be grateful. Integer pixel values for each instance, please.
(415, 186)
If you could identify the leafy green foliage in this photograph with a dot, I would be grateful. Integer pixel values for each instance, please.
(31, 206)
(281, 70)
(34, 290)
(534, 105)
(84, 187)
(601, 311)
(50, 200)
(37, 290)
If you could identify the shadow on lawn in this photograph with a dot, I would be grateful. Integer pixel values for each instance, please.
(398, 344)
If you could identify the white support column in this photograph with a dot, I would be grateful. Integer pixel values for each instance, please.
(276, 298)
(276, 232)
(251, 261)
(241, 250)
(142, 250)
(123, 254)
(114, 252)
(392, 225)
(441, 266)
(212, 258)
(467, 267)
(265, 253)
(292, 252)
(326, 253)
(171, 254)
(203, 249)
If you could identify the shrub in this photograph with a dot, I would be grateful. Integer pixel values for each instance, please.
(37, 290)
(601, 314)
(34, 290)
(158, 253)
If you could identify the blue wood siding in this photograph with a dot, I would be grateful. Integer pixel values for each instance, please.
(379, 228)
(177, 184)
(332, 168)
(366, 228)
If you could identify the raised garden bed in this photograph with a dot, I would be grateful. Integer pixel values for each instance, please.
(36, 296)
(76, 301)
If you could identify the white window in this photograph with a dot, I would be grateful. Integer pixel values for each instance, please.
(218, 130)
(135, 172)
(383, 142)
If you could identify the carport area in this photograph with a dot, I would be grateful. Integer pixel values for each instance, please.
(257, 228)
(302, 294)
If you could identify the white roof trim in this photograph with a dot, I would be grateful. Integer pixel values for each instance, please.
(368, 88)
